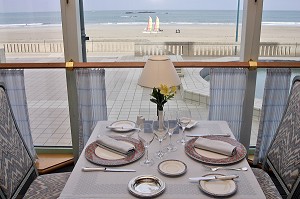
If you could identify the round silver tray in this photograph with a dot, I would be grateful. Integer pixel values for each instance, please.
(172, 168)
(146, 186)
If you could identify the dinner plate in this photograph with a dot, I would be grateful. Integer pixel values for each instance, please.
(101, 156)
(146, 186)
(172, 168)
(191, 124)
(215, 158)
(122, 126)
(218, 188)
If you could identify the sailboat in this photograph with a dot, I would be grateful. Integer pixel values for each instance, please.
(156, 25)
(149, 26)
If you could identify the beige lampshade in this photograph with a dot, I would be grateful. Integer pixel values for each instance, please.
(159, 70)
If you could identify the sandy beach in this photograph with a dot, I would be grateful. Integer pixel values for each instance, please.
(188, 33)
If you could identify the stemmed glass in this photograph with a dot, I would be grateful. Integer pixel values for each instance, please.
(146, 136)
(171, 116)
(183, 119)
(160, 131)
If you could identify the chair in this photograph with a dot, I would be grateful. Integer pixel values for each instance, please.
(283, 156)
(17, 167)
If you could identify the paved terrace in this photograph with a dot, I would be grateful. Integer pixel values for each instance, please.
(48, 105)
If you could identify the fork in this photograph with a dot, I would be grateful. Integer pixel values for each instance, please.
(224, 168)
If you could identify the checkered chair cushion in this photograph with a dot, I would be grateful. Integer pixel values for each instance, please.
(47, 186)
(16, 163)
(15, 160)
(283, 154)
(266, 184)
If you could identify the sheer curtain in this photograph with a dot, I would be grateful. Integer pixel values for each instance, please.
(91, 101)
(274, 102)
(15, 86)
(227, 90)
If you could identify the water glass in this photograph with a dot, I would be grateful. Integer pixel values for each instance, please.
(171, 117)
(146, 136)
(183, 119)
(160, 130)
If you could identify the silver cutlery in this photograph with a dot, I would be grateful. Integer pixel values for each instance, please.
(88, 169)
(229, 177)
(225, 168)
(123, 128)
(201, 135)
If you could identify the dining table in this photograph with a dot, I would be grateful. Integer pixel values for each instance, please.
(101, 184)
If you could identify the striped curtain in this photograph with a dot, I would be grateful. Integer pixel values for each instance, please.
(227, 90)
(15, 86)
(274, 102)
(91, 101)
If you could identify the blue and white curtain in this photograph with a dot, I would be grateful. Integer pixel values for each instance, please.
(276, 93)
(227, 91)
(91, 101)
(15, 86)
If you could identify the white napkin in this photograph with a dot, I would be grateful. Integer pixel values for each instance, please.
(216, 146)
(116, 145)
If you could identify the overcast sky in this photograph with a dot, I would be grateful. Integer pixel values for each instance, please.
(54, 5)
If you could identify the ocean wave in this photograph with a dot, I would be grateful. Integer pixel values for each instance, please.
(27, 25)
(281, 23)
(145, 23)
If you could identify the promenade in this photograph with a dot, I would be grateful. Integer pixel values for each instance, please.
(48, 104)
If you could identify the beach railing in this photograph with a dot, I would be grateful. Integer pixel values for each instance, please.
(187, 49)
(278, 50)
(199, 49)
(39, 47)
(109, 46)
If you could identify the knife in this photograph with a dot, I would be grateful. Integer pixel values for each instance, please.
(229, 177)
(122, 127)
(88, 169)
(201, 135)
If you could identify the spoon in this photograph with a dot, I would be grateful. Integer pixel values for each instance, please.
(236, 169)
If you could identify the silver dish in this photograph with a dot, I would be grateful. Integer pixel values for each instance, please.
(146, 186)
(172, 168)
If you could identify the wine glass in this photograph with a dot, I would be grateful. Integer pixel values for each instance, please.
(146, 136)
(183, 119)
(171, 117)
(160, 129)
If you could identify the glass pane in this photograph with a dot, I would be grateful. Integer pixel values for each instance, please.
(195, 30)
(31, 31)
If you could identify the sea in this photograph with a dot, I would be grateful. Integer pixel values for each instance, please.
(129, 17)
(135, 17)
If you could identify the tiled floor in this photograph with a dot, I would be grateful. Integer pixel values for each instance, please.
(48, 105)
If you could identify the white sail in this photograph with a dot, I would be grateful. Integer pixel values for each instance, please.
(156, 26)
(149, 26)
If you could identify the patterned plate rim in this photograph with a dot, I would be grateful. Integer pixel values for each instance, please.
(241, 151)
(132, 157)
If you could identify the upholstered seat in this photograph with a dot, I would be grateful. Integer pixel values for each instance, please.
(17, 167)
(283, 156)
(266, 184)
(47, 186)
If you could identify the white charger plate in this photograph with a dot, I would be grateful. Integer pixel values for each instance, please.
(122, 126)
(218, 188)
(191, 124)
(172, 168)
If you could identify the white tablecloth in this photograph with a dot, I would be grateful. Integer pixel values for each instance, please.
(114, 184)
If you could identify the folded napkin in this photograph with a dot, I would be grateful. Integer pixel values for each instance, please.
(216, 146)
(115, 145)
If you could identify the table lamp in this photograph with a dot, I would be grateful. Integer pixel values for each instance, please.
(159, 70)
